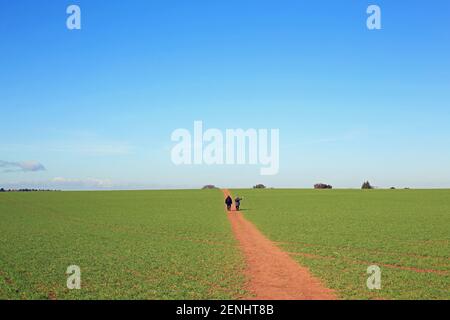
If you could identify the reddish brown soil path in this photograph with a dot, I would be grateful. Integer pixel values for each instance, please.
(272, 274)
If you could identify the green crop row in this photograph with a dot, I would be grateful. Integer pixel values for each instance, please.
(339, 233)
(128, 245)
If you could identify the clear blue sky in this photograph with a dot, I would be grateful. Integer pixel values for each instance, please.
(96, 107)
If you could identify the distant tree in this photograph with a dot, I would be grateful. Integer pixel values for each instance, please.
(2, 190)
(367, 185)
(322, 186)
(259, 186)
(209, 186)
(392, 188)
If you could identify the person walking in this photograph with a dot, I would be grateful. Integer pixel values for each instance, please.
(228, 202)
(237, 203)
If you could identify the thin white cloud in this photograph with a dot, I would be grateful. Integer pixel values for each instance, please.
(82, 183)
(113, 149)
(83, 143)
(24, 166)
(81, 148)
(62, 183)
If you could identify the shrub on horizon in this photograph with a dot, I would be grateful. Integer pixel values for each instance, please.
(322, 186)
(259, 186)
(366, 185)
(209, 186)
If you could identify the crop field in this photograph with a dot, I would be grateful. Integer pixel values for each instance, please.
(337, 234)
(179, 244)
(128, 245)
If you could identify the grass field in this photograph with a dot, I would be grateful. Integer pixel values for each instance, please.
(339, 233)
(179, 244)
(132, 245)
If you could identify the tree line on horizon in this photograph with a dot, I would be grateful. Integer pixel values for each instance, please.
(26, 190)
(365, 186)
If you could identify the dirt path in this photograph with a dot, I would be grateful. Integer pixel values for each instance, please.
(272, 273)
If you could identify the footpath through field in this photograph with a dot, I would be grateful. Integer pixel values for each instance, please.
(272, 273)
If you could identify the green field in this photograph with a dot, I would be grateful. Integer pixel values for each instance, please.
(339, 233)
(179, 244)
(131, 245)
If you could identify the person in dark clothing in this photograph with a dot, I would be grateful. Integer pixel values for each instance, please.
(228, 202)
(237, 203)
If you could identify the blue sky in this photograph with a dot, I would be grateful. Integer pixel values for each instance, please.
(96, 107)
